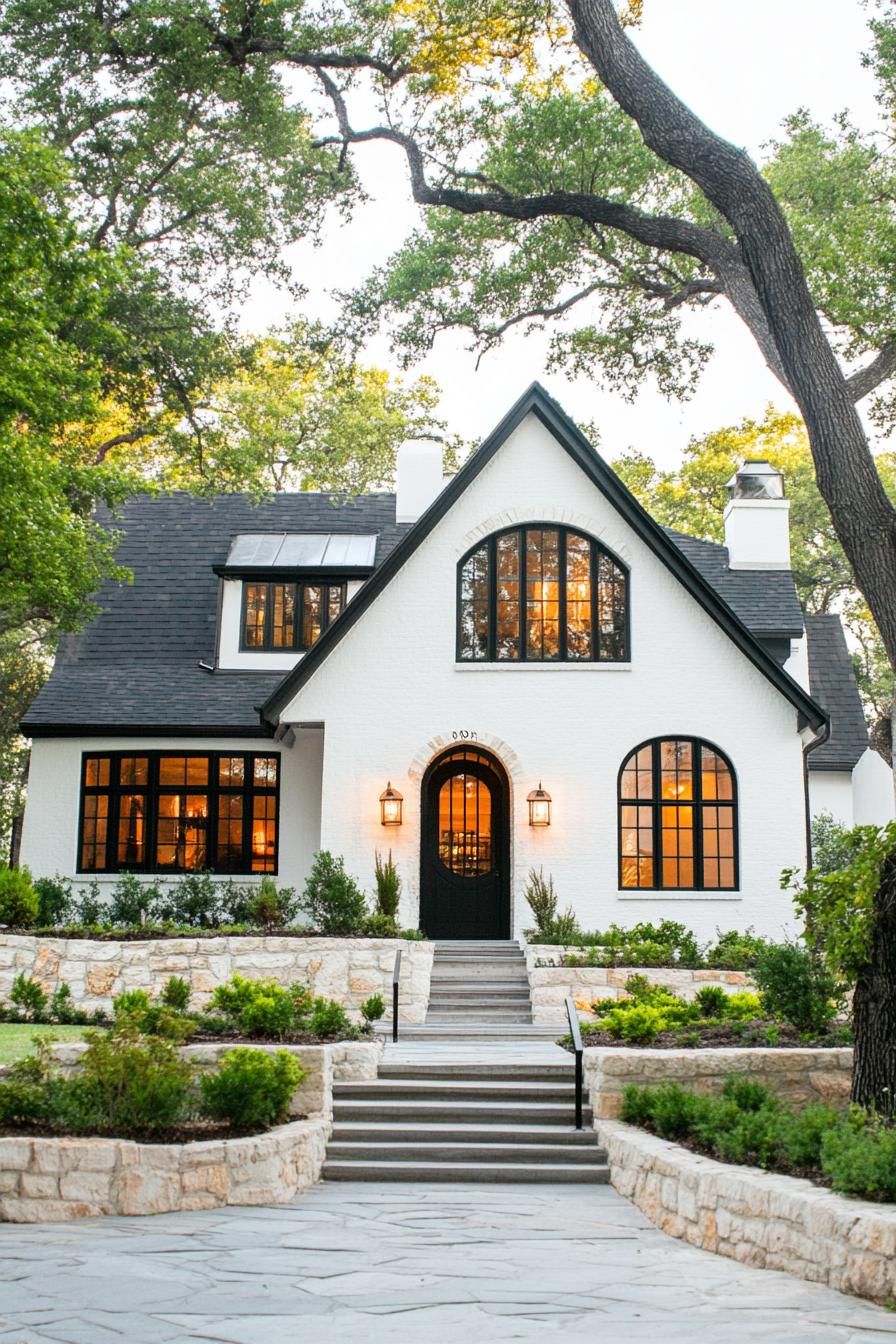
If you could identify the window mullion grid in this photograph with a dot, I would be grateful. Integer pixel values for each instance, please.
(697, 760)
(561, 595)
(248, 780)
(657, 788)
(492, 581)
(523, 567)
(593, 574)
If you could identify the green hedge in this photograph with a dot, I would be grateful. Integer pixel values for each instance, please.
(853, 1152)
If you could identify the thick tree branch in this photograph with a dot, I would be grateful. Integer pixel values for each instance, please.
(882, 367)
(863, 516)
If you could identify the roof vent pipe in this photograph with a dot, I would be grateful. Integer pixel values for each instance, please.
(418, 478)
(757, 525)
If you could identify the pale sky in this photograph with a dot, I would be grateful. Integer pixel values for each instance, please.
(743, 68)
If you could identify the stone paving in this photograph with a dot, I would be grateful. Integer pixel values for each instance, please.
(350, 1264)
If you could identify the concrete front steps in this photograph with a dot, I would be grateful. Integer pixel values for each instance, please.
(478, 983)
(463, 1122)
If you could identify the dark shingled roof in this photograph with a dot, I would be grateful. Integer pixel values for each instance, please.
(764, 599)
(833, 684)
(137, 663)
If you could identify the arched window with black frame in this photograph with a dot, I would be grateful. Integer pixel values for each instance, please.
(542, 593)
(677, 817)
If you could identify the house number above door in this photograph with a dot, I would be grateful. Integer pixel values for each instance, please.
(464, 735)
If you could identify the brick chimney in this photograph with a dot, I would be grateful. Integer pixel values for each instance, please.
(418, 478)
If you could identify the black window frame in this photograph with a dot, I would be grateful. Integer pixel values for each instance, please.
(153, 789)
(655, 803)
(299, 584)
(597, 551)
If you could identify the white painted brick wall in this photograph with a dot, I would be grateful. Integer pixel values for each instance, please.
(391, 697)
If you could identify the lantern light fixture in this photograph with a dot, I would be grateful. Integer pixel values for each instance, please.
(390, 806)
(539, 801)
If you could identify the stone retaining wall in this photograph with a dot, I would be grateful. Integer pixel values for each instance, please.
(48, 1180)
(346, 969)
(552, 985)
(344, 1061)
(757, 1217)
(798, 1075)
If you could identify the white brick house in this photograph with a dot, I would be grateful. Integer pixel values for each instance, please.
(527, 629)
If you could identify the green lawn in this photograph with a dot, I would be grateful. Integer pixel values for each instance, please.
(15, 1040)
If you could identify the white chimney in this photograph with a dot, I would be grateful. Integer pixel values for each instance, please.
(757, 524)
(418, 478)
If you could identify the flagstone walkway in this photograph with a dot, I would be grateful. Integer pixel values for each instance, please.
(349, 1264)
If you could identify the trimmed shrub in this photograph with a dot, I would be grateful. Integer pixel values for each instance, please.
(176, 993)
(734, 951)
(332, 898)
(19, 901)
(328, 1018)
(379, 925)
(272, 909)
(90, 908)
(712, 1001)
(252, 1089)
(745, 1006)
(388, 887)
(133, 901)
(55, 902)
(62, 1008)
(270, 1013)
(859, 1156)
(796, 987)
(194, 901)
(372, 1009)
(127, 1085)
(28, 996)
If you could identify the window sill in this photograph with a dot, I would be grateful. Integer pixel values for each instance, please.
(557, 666)
(649, 894)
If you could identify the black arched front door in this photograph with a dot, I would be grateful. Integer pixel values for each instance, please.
(465, 848)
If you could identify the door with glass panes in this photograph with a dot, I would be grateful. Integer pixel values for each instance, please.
(465, 852)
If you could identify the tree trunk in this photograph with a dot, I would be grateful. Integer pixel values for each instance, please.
(874, 1006)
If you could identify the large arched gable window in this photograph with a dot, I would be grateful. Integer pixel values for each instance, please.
(542, 593)
(677, 817)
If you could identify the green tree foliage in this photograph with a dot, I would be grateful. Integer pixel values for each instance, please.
(691, 498)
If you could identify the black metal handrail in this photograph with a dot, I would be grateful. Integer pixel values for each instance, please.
(577, 1046)
(396, 978)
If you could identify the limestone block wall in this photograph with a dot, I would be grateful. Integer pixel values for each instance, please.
(798, 1075)
(756, 1217)
(552, 985)
(48, 1180)
(346, 969)
(343, 1061)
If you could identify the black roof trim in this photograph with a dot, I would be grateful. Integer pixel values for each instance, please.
(287, 575)
(262, 729)
(536, 401)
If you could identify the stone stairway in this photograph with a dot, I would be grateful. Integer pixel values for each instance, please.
(473, 1094)
(433, 1121)
(479, 991)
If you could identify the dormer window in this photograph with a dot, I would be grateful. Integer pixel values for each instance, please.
(288, 616)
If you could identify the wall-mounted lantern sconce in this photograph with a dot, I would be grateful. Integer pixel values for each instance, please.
(539, 801)
(390, 806)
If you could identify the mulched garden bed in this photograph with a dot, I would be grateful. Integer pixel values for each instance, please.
(152, 933)
(191, 1131)
(296, 1038)
(719, 1036)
